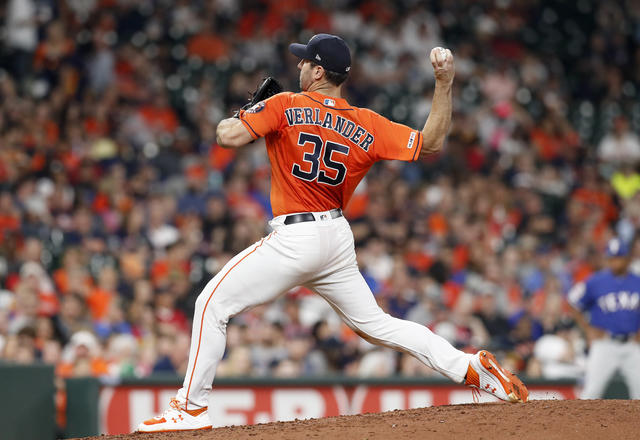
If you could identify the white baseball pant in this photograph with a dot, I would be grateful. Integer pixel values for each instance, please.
(321, 256)
(606, 356)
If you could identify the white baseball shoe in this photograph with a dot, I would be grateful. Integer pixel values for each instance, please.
(486, 374)
(177, 418)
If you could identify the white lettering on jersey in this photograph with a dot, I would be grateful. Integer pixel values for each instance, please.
(617, 301)
(624, 298)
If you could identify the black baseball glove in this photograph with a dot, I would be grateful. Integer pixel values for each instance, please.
(269, 87)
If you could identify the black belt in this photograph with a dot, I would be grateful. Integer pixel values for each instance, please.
(308, 217)
(622, 337)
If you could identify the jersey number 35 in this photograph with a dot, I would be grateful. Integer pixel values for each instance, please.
(324, 151)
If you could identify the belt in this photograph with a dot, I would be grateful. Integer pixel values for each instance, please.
(309, 217)
(622, 337)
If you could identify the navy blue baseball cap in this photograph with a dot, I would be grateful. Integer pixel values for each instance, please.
(617, 248)
(329, 51)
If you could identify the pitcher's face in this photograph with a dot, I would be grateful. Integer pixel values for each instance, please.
(307, 73)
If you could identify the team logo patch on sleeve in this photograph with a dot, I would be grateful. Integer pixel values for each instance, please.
(412, 139)
(329, 102)
(256, 107)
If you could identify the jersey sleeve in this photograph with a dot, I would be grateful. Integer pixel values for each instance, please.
(264, 117)
(395, 141)
(580, 296)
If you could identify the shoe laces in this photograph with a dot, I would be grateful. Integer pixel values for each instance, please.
(175, 404)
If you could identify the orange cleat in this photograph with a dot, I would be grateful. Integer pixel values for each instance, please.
(486, 374)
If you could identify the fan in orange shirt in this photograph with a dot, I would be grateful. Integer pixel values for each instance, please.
(82, 357)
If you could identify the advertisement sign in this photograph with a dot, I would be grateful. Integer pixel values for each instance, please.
(123, 407)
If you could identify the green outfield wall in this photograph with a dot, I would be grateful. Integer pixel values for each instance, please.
(26, 402)
(95, 407)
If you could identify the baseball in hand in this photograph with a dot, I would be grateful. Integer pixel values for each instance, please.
(442, 62)
(439, 56)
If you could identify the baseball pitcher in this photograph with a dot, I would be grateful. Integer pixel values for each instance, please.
(611, 299)
(320, 147)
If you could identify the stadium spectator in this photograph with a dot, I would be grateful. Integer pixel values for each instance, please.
(621, 145)
(558, 354)
(82, 357)
(22, 33)
(116, 204)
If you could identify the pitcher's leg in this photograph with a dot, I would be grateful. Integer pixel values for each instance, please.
(350, 296)
(602, 363)
(253, 277)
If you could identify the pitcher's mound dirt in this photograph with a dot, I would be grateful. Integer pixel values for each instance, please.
(542, 419)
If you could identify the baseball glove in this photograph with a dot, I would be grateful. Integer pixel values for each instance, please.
(269, 87)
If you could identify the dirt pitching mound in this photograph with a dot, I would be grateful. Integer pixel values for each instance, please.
(542, 419)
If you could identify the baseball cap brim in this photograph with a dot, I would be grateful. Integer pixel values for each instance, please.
(300, 50)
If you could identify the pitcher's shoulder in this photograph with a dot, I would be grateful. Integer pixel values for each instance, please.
(283, 96)
(367, 112)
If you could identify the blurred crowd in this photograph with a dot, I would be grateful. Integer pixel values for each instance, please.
(117, 206)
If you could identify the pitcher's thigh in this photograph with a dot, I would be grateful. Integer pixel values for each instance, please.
(254, 276)
(350, 296)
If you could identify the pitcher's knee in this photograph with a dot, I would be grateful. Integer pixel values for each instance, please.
(212, 310)
(375, 331)
(201, 302)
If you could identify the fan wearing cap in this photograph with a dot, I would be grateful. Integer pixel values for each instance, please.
(607, 309)
(320, 147)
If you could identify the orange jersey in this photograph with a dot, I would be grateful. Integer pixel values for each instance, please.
(320, 148)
